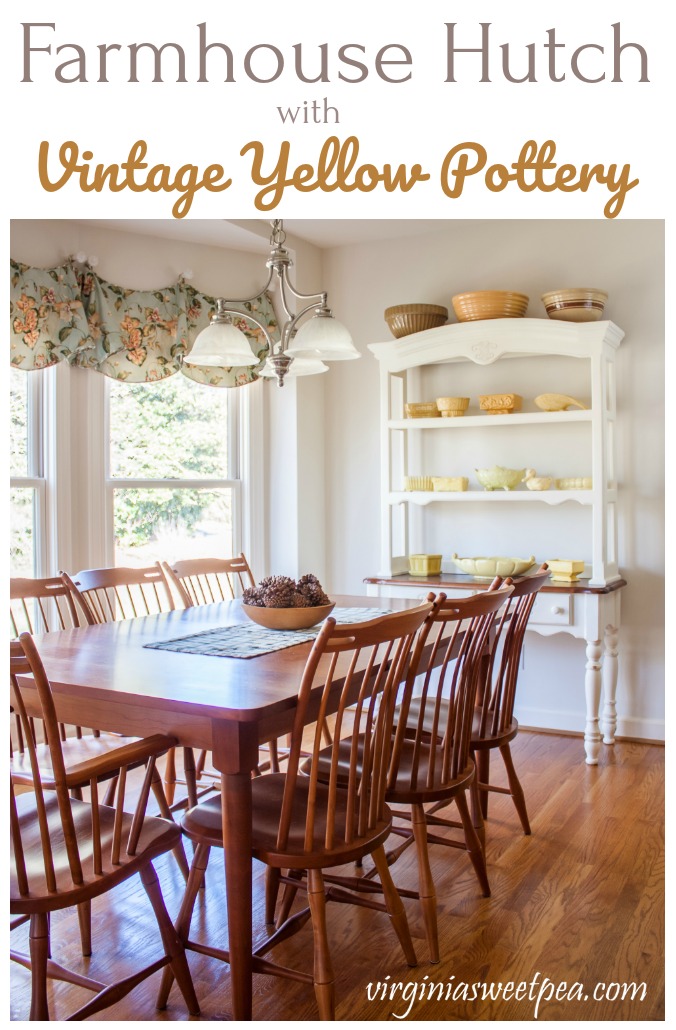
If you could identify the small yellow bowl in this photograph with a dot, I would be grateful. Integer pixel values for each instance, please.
(422, 409)
(452, 407)
(418, 483)
(424, 564)
(565, 570)
(500, 403)
(453, 484)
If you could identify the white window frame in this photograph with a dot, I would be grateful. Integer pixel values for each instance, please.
(239, 433)
(67, 461)
(36, 479)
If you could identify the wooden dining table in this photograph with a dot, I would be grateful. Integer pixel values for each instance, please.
(107, 678)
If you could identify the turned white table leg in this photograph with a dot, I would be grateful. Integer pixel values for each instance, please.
(609, 677)
(592, 687)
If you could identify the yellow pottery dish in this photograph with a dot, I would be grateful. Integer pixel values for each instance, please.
(418, 483)
(565, 570)
(488, 568)
(453, 484)
(499, 478)
(422, 409)
(424, 564)
(500, 403)
(557, 402)
(574, 483)
(534, 482)
(452, 407)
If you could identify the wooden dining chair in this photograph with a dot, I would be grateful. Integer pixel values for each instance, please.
(65, 851)
(40, 606)
(493, 724)
(44, 605)
(431, 764)
(113, 594)
(198, 581)
(301, 823)
(209, 580)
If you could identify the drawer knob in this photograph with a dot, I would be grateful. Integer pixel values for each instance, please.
(557, 610)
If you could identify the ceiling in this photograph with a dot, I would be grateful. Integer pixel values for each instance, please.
(254, 234)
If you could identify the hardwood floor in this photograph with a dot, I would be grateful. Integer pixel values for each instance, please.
(580, 902)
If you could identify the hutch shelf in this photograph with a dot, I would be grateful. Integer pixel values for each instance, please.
(589, 609)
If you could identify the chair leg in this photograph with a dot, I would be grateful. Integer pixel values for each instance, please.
(200, 763)
(84, 916)
(395, 908)
(482, 761)
(323, 971)
(477, 814)
(170, 776)
(287, 898)
(272, 875)
(426, 889)
(109, 796)
(39, 948)
(173, 945)
(515, 787)
(273, 751)
(190, 773)
(195, 880)
(165, 812)
(473, 843)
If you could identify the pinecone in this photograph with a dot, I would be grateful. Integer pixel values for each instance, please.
(279, 592)
(253, 596)
(310, 587)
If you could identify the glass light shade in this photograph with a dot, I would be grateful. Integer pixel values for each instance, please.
(223, 345)
(325, 338)
(299, 367)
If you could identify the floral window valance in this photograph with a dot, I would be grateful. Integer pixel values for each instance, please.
(137, 336)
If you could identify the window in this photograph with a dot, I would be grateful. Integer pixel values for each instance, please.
(27, 483)
(173, 476)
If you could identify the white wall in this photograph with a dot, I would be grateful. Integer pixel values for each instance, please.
(626, 259)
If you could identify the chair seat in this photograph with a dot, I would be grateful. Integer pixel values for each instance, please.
(203, 825)
(157, 836)
(404, 791)
(478, 739)
(85, 756)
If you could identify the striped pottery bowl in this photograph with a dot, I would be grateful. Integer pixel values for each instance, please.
(580, 304)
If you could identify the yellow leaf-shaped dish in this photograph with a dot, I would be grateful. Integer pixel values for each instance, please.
(557, 402)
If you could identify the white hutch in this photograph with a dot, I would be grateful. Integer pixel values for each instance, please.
(528, 357)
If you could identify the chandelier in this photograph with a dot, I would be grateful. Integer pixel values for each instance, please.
(307, 339)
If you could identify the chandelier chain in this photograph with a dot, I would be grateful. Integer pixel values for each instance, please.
(277, 236)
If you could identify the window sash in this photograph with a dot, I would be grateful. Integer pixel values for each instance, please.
(232, 483)
(35, 479)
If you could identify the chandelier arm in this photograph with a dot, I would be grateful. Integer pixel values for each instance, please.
(290, 326)
(321, 297)
(250, 318)
(247, 300)
(282, 294)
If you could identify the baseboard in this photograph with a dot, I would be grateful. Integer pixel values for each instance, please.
(628, 727)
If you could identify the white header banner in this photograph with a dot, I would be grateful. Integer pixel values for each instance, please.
(436, 109)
